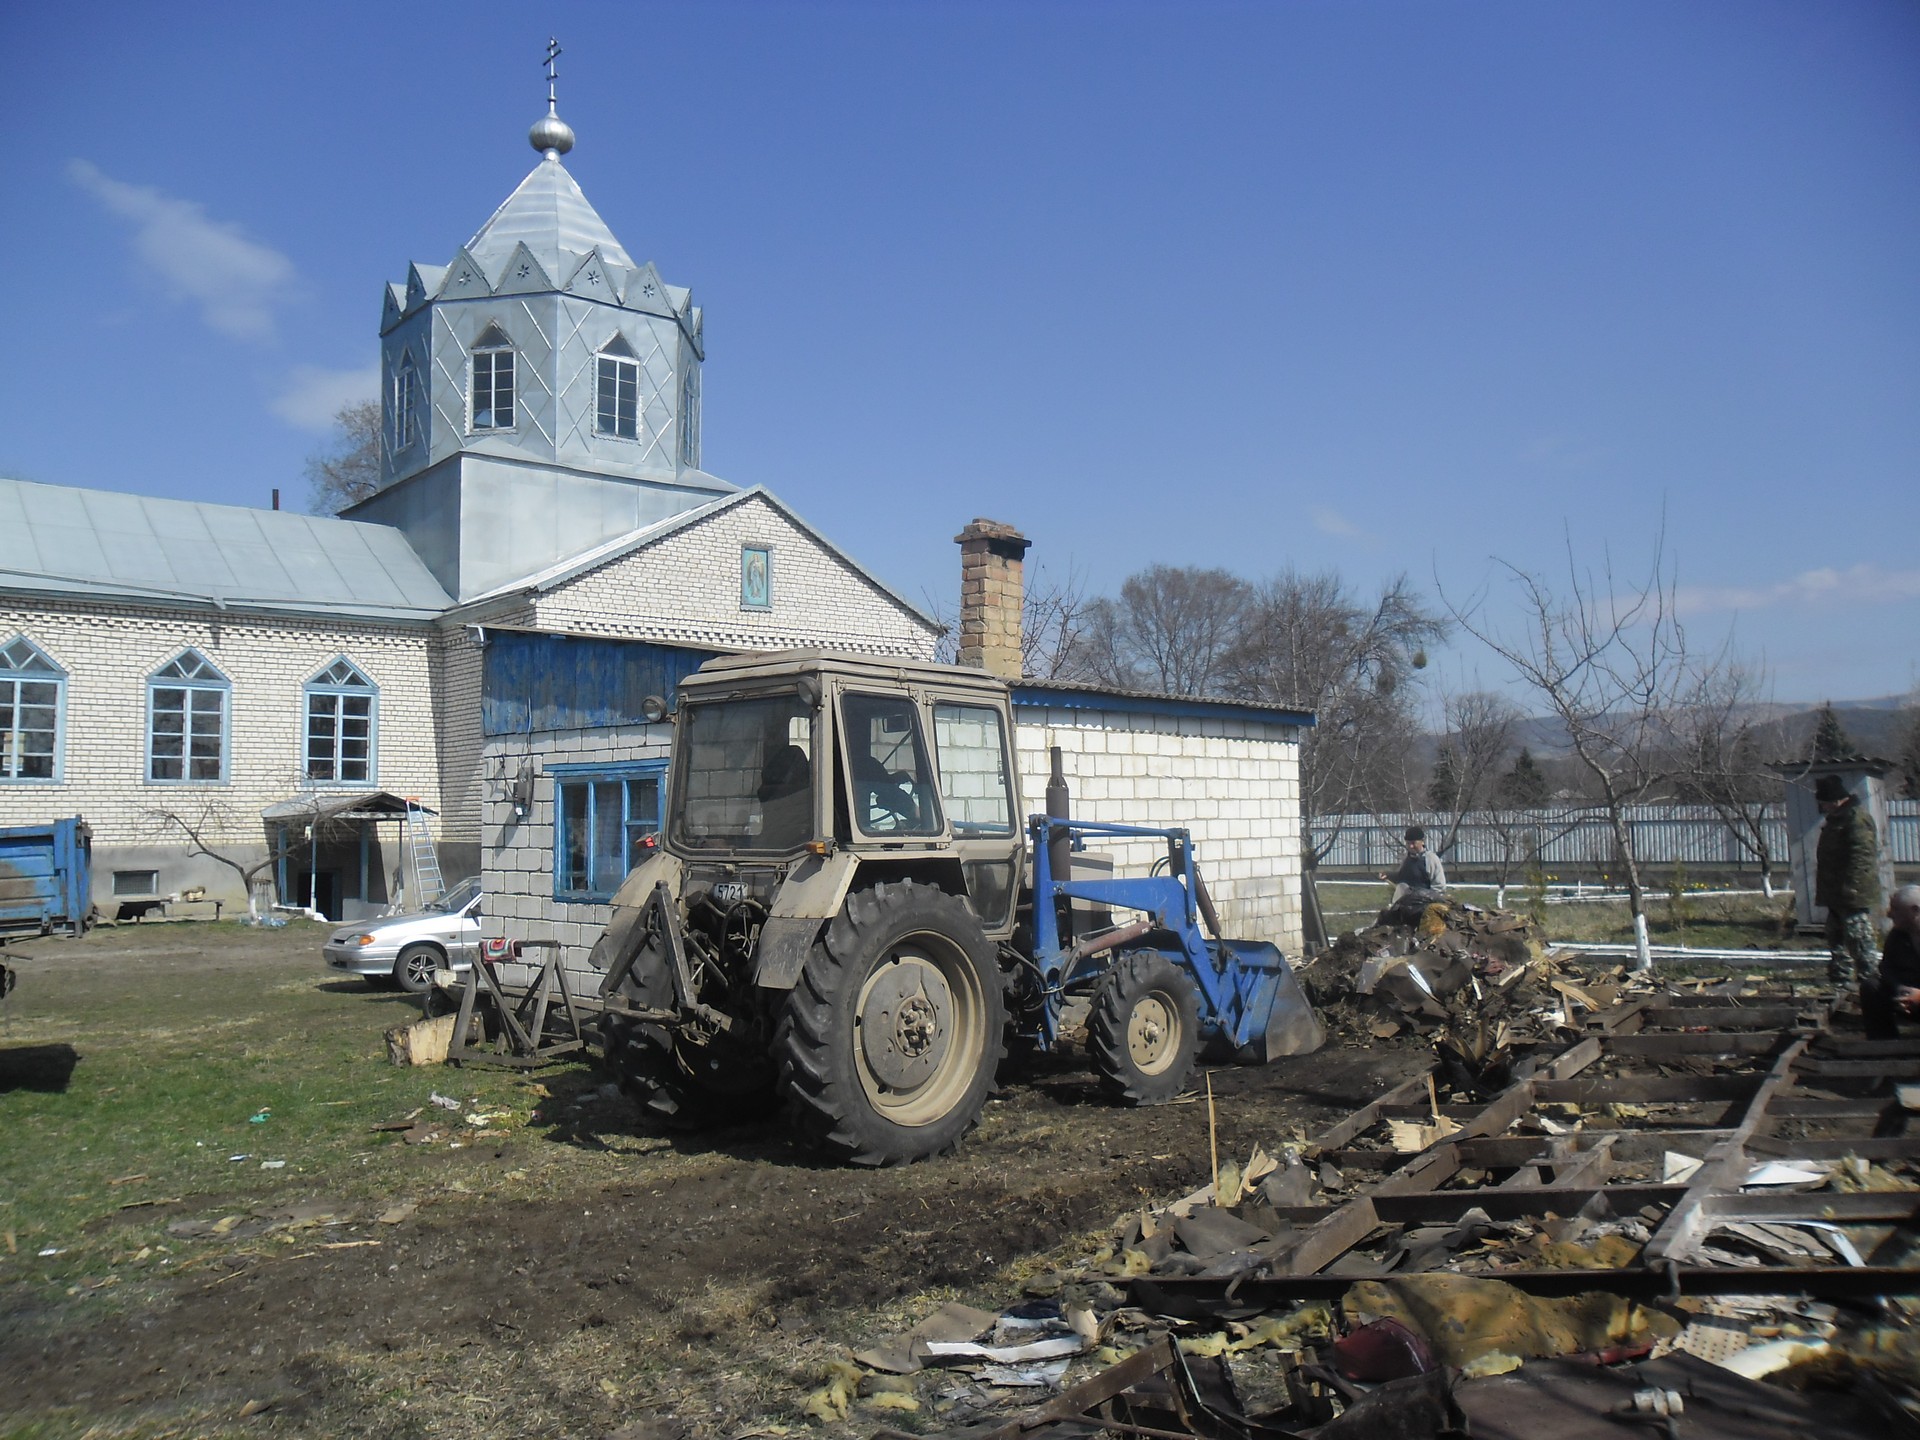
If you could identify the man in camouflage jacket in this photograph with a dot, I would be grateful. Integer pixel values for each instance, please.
(1846, 881)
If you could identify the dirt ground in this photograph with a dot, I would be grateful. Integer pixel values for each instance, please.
(698, 1285)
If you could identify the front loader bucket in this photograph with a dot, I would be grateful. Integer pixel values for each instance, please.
(1275, 1018)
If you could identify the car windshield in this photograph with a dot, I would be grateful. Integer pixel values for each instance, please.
(746, 774)
(458, 898)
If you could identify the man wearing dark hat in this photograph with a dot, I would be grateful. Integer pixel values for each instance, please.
(1846, 879)
(1421, 870)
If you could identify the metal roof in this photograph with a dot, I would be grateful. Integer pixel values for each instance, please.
(1064, 695)
(550, 214)
(108, 543)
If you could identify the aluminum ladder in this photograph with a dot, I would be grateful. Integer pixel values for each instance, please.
(428, 883)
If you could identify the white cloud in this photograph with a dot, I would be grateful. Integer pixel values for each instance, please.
(238, 283)
(1332, 522)
(313, 396)
(1856, 586)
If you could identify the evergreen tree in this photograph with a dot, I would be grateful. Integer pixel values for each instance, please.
(1830, 738)
(1443, 791)
(1910, 758)
(1525, 785)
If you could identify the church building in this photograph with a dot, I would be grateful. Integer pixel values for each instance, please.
(299, 693)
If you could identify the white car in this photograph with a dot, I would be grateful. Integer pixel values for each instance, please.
(405, 950)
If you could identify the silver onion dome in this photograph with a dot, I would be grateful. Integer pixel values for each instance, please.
(551, 135)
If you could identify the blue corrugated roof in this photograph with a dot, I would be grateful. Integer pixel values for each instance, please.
(112, 544)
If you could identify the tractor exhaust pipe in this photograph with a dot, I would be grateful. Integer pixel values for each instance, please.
(1060, 846)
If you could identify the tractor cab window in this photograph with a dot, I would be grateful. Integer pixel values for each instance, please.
(891, 783)
(973, 769)
(746, 777)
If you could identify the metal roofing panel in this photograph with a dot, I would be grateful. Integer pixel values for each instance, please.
(553, 218)
(103, 542)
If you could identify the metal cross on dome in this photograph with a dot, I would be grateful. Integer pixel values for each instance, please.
(553, 54)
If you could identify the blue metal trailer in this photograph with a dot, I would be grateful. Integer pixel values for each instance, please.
(46, 877)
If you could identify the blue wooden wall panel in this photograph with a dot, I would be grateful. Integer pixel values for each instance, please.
(562, 682)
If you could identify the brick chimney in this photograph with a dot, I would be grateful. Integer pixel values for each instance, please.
(991, 594)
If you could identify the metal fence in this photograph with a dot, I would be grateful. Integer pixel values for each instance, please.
(1690, 835)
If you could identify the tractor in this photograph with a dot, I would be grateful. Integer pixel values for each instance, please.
(845, 914)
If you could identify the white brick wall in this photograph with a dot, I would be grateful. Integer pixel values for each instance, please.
(108, 651)
(1235, 784)
(686, 588)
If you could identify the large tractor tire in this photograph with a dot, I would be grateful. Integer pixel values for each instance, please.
(1144, 1029)
(679, 1083)
(889, 1043)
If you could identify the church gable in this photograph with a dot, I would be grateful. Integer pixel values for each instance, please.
(746, 576)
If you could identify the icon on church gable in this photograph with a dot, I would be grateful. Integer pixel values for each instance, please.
(756, 577)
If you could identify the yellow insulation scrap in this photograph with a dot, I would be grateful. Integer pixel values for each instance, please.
(1466, 1317)
(834, 1399)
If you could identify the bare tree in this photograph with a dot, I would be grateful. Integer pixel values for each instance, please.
(348, 471)
(209, 829)
(1170, 630)
(1723, 748)
(1309, 641)
(1053, 625)
(1478, 739)
(1610, 663)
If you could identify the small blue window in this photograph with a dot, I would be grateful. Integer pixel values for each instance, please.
(187, 720)
(33, 694)
(602, 814)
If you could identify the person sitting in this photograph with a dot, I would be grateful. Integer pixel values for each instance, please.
(786, 798)
(1420, 881)
(1892, 993)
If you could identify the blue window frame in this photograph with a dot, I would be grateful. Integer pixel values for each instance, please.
(343, 714)
(33, 704)
(601, 813)
(187, 721)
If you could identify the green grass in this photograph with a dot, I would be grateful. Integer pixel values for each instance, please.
(173, 1062)
(1711, 922)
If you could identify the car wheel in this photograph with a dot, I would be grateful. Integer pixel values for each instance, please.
(413, 971)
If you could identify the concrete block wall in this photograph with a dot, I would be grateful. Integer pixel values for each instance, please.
(517, 854)
(1235, 784)
(110, 649)
(686, 588)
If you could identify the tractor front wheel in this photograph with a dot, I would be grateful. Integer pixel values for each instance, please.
(1144, 1029)
(888, 1044)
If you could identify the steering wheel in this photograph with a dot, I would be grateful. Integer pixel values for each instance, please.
(890, 804)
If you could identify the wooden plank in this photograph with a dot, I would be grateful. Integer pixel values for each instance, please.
(1793, 1107)
(1725, 1166)
(1728, 1017)
(1333, 1237)
(1862, 1208)
(1658, 1045)
(1367, 1116)
(1190, 1296)
(1861, 1069)
(1643, 1089)
(1447, 1206)
(1883, 1147)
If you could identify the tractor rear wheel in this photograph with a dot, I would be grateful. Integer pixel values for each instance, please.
(1144, 1029)
(889, 1042)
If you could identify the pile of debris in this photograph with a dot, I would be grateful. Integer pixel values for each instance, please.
(1453, 969)
(1616, 1237)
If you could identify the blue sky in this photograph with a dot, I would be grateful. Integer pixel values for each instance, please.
(1374, 286)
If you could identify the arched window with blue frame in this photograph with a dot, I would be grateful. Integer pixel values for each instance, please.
(33, 693)
(187, 721)
(343, 711)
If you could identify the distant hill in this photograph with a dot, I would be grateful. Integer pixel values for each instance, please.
(1878, 726)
